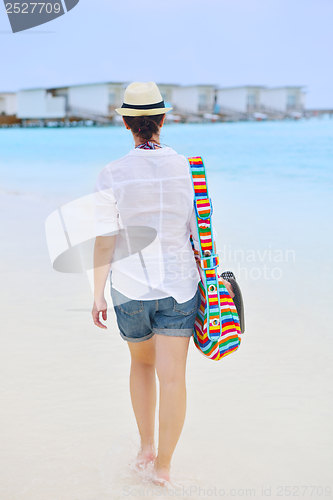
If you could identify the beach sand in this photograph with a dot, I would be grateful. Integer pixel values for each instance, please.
(259, 420)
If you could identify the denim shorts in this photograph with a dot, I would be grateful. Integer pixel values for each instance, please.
(139, 320)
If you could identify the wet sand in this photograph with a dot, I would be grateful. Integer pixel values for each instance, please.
(259, 420)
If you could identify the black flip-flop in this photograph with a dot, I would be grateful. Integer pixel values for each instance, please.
(238, 298)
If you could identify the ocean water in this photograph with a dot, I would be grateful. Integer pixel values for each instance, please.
(294, 155)
(271, 182)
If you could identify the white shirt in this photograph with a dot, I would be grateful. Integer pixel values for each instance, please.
(146, 198)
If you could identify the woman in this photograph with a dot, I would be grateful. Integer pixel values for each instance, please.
(144, 218)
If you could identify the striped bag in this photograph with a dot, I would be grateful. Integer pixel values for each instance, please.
(217, 327)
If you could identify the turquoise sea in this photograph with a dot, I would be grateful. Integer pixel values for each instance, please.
(292, 154)
(271, 183)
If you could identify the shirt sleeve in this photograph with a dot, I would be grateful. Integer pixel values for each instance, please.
(106, 213)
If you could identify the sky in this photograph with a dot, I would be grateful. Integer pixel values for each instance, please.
(225, 43)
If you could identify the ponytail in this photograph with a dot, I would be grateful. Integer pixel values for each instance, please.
(144, 126)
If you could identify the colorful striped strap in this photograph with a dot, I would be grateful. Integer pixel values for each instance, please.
(208, 260)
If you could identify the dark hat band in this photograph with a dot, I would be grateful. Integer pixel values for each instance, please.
(156, 105)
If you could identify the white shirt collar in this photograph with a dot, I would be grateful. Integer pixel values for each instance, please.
(166, 151)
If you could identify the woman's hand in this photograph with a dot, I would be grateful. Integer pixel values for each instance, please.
(100, 306)
(229, 288)
(103, 251)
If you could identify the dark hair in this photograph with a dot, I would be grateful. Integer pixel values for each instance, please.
(144, 126)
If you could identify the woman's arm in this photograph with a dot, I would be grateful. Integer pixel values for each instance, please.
(103, 251)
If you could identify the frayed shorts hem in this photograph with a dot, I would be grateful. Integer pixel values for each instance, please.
(174, 332)
(136, 339)
(169, 332)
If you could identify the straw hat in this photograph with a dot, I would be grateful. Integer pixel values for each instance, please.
(142, 99)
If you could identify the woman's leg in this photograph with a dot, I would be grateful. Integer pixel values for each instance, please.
(143, 394)
(171, 355)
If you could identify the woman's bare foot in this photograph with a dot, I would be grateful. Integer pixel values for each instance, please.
(161, 474)
(145, 456)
